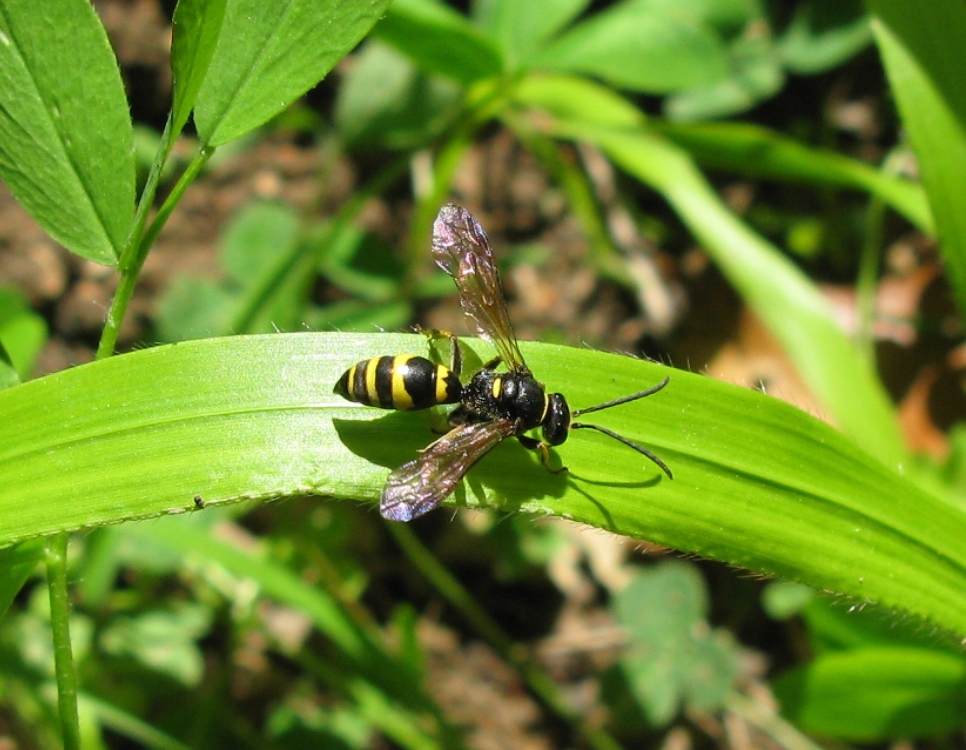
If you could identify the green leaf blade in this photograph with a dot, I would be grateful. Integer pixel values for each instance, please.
(877, 694)
(385, 99)
(440, 41)
(740, 148)
(269, 54)
(757, 483)
(674, 657)
(522, 27)
(821, 36)
(16, 565)
(920, 51)
(196, 27)
(752, 150)
(66, 141)
(22, 335)
(572, 98)
(640, 46)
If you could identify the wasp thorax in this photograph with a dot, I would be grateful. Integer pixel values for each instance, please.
(522, 397)
(507, 395)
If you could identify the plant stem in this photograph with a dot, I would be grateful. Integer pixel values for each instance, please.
(60, 634)
(130, 264)
(132, 260)
(867, 280)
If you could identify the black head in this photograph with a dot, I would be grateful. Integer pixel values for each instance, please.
(556, 419)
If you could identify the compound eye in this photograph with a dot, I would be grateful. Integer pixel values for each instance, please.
(556, 422)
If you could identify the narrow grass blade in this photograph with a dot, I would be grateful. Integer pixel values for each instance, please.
(757, 483)
(788, 303)
(921, 47)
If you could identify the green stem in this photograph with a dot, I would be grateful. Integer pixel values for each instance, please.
(427, 205)
(133, 259)
(60, 634)
(119, 304)
(867, 278)
(147, 195)
(539, 682)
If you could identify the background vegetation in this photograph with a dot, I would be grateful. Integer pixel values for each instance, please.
(767, 193)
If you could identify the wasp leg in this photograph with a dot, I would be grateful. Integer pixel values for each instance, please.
(459, 416)
(456, 356)
(541, 447)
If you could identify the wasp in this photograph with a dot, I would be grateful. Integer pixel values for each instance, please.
(493, 406)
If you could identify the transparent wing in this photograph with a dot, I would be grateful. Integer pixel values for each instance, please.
(419, 486)
(460, 248)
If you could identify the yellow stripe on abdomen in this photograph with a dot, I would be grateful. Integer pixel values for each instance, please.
(400, 369)
(370, 372)
(442, 391)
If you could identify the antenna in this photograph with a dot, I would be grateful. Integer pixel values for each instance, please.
(620, 438)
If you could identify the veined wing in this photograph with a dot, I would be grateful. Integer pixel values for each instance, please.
(419, 486)
(461, 248)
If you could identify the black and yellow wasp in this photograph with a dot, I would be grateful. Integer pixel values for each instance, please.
(492, 406)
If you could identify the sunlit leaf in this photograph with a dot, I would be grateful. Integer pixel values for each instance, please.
(757, 483)
(65, 133)
(269, 54)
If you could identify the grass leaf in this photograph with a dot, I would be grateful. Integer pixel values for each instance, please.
(788, 303)
(747, 149)
(637, 46)
(920, 48)
(523, 26)
(757, 483)
(440, 40)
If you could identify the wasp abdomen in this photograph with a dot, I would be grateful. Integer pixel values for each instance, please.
(401, 382)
